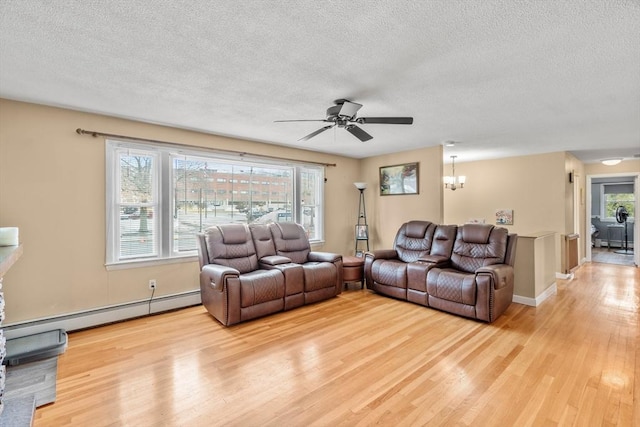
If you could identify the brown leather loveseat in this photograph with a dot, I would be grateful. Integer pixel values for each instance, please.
(465, 270)
(249, 272)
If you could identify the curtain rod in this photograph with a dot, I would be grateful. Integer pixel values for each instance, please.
(96, 134)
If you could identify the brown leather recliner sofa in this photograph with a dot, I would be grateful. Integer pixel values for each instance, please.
(252, 271)
(465, 270)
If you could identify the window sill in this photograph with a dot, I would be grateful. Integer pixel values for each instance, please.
(123, 265)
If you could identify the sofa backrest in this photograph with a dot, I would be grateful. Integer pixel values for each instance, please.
(230, 245)
(290, 241)
(262, 240)
(478, 245)
(413, 240)
(443, 239)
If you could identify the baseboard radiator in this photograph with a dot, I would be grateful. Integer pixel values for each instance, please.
(103, 315)
(571, 252)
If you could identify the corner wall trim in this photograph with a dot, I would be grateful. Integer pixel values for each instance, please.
(104, 315)
(534, 302)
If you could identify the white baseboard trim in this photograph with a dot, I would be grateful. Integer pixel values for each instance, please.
(534, 302)
(568, 276)
(104, 315)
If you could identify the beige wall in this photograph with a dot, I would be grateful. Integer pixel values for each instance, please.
(385, 214)
(533, 186)
(626, 166)
(52, 186)
(530, 185)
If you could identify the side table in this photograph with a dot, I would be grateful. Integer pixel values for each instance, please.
(353, 269)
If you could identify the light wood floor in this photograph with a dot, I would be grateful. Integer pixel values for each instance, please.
(609, 256)
(363, 359)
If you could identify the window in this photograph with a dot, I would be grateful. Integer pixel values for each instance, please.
(159, 197)
(614, 195)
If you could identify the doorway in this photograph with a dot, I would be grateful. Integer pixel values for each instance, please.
(612, 241)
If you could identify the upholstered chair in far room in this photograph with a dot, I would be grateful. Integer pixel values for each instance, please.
(386, 269)
(478, 281)
(322, 270)
(233, 286)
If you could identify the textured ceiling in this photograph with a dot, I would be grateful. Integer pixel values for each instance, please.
(501, 77)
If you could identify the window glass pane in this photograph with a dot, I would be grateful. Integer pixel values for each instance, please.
(261, 203)
(137, 232)
(612, 201)
(197, 205)
(136, 178)
(207, 193)
(137, 203)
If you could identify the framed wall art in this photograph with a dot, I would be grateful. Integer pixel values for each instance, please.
(504, 217)
(399, 179)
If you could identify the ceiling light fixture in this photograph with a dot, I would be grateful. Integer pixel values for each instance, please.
(611, 162)
(453, 180)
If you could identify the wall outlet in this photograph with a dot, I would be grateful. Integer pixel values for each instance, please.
(152, 284)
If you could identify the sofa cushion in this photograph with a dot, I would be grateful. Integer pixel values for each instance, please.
(289, 230)
(390, 272)
(476, 233)
(319, 275)
(240, 254)
(443, 239)
(478, 245)
(233, 234)
(452, 285)
(262, 240)
(413, 240)
(261, 286)
(290, 241)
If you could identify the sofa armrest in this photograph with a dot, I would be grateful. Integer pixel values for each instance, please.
(436, 260)
(324, 257)
(502, 274)
(217, 275)
(382, 254)
(271, 260)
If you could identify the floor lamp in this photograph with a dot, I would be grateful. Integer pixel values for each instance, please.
(362, 229)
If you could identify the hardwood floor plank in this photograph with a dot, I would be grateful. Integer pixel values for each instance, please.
(363, 359)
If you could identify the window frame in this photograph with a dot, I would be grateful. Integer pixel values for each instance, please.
(165, 196)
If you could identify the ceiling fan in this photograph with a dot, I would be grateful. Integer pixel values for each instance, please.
(343, 115)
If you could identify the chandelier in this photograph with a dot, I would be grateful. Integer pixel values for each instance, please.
(454, 181)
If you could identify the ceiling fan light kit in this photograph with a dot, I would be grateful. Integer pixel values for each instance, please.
(344, 115)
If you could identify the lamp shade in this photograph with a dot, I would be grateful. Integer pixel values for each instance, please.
(360, 185)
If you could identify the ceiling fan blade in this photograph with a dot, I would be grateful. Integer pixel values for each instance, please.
(386, 120)
(358, 133)
(312, 134)
(310, 120)
(349, 109)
